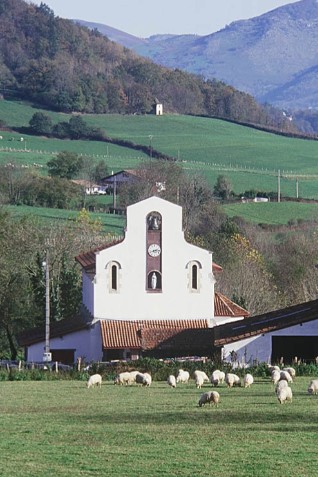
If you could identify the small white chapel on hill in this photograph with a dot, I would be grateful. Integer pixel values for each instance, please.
(140, 292)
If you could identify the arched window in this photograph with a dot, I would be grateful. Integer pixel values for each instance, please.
(194, 276)
(113, 276)
(114, 279)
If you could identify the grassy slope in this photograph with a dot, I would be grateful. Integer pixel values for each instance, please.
(249, 158)
(273, 212)
(109, 223)
(62, 428)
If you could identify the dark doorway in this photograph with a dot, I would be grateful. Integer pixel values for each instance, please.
(65, 356)
(304, 347)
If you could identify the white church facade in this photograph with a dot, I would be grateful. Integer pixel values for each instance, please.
(139, 292)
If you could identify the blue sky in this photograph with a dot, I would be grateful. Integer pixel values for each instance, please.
(144, 18)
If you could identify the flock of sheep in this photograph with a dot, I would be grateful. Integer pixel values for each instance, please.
(281, 378)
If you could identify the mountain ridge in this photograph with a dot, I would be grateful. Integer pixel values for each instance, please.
(261, 56)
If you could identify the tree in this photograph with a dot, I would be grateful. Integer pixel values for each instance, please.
(100, 170)
(41, 123)
(223, 188)
(78, 128)
(65, 165)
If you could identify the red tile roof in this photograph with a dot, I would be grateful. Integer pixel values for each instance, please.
(88, 259)
(227, 308)
(137, 334)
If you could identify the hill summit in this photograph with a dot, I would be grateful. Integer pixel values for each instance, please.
(273, 57)
(63, 66)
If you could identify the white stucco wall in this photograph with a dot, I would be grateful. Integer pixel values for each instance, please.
(260, 347)
(87, 344)
(133, 301)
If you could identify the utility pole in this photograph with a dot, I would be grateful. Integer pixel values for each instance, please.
(150, 144)
(47, 355)
(297, 185)
(114, 193)
(278, 186)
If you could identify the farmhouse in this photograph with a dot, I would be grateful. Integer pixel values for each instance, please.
(90, 188)
(139, 292)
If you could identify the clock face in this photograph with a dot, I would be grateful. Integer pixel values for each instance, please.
(154, 250)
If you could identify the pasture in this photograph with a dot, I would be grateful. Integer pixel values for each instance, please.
(61, 428)
(248, 157)
(273, 213)
(110, 223)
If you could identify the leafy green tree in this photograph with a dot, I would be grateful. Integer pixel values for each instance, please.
(223, 188)
(41, 123)
(61, 130)
(78, 128)
(101, 170)
(65, 165)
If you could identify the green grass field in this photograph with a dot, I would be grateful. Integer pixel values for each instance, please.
(61, 428)
(110, 223)
(273, 212)
(248, 157)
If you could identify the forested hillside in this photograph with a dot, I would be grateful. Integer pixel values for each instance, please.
(66, 67)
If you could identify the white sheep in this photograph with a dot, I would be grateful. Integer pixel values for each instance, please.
(275, 376)
(94, 380)
(217, 377)
(123, 378)
(183, 376)
(172, 381)
(144, 379)
(248, 380)
(133, 375)
(232, 380)
(313, 387)
(285, 375)
(284, 394)
(291, 371)
(199, 381)
(280, 385)
(202, 374)
(209, 397)
(147, 379)
(273, 368)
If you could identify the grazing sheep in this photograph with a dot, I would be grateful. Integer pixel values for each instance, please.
(280, 385)
(209, 397)
(248, 380)
(202, 374)
(133, 375)
(147, 379)
(199, 381)
(172, 381)
(273, 368)
(285, 375)
(291, 371)
(217, 377)
(285, 394)
(144, 379)
(275, 376)
(232, 380)
(123, 378)
(183, 376)
(94, 380)
(313, 387)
